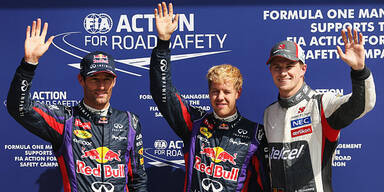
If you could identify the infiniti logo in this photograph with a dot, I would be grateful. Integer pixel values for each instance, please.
(24, 85)
(102, 186)
(211, 184)
(163, 64)
(118, 126)
(242, 131)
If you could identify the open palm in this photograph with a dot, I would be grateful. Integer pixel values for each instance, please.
(165, 24)
(354, 54)
(35, 45)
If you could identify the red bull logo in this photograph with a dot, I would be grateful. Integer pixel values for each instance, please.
(217, 171)
(218, 154)
(100, 58)
(83, 168)
(101, 154)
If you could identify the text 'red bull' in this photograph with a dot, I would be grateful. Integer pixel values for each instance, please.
(82, 168)
(217, 171)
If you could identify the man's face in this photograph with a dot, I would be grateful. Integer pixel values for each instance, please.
(287, 75)
(98, 89)
(223, 96)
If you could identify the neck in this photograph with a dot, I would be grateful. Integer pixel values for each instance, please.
(229, 118)
(100, 111)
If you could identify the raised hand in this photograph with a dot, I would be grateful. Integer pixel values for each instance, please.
(354, 54)
(165, 24)
(35, 45)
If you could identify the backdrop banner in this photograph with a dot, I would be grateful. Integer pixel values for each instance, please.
(206, 36)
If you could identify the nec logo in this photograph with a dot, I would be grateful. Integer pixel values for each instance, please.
(300, 122)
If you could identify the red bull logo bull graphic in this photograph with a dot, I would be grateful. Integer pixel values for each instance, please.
(101, 154)
(218, 154)
(217, 171)
(108, 171)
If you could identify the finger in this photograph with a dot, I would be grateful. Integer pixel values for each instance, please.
(344, 36)
(165, 9)
(361, 39)
(160, 10)
(350, 38)
(45, 29)
(340, 52)
(33, 32)
(49, 41)
(176, 19)
(28, 32)
(170, 9)
(38, 27)
(156, 13)
(355, 36)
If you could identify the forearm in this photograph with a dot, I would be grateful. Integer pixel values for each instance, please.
(361, 100)
(18, 102)
(174, 109)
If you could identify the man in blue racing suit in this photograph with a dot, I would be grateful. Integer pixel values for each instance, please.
(303, 127)
(223, 151)
(98, 148)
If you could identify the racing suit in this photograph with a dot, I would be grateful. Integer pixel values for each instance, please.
(219, 155)
(303, 132)
(94, 153)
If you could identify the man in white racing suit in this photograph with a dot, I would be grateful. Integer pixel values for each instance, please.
(303, 127)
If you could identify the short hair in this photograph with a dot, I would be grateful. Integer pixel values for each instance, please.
(224, 72)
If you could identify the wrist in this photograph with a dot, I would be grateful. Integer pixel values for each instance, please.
(164, 37)
(31, 60)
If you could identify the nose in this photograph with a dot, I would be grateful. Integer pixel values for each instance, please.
(220, 96)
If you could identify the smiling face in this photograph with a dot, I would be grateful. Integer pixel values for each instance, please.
(97, 89)
(223, 96)
(287, 75)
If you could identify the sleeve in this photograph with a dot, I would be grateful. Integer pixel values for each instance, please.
(173, 107)
(340, 111)
(258, 178)
(45, 121)
(137, 180)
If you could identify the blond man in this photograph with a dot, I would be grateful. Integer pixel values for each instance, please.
(223, 150)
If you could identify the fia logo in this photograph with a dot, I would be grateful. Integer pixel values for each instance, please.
(98, 23)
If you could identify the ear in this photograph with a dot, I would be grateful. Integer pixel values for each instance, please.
(239, 93)
(114, 82)
(303, 69)
(81, 80)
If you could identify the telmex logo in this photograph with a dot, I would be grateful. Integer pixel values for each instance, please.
(101, 154)
(285, 153)
(98, 23)
(82, 134)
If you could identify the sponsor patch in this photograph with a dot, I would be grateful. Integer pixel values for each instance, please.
(82, 134)
(301, 131)
(300, 122)
(84, 125)
(204, 131)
